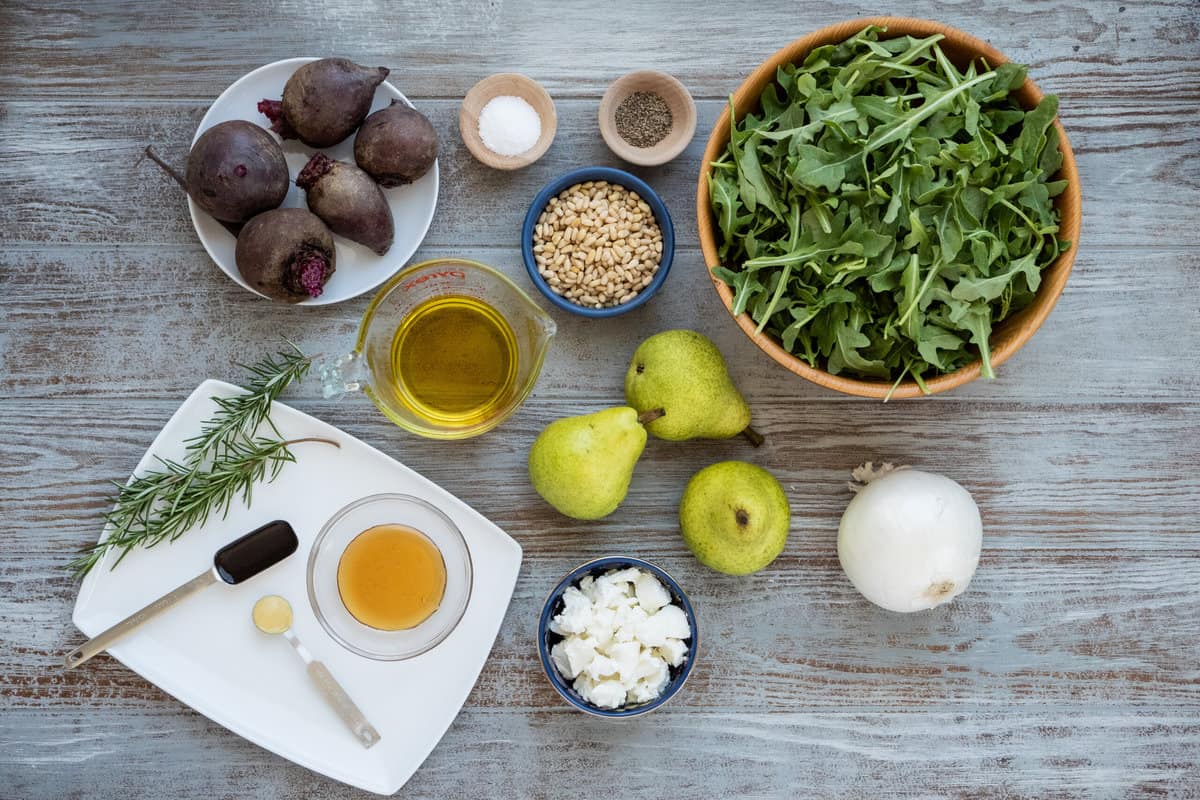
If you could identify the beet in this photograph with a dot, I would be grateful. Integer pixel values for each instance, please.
(396, 145)
(324, 101)
(235, 171)
(287, 254)
(348, 201)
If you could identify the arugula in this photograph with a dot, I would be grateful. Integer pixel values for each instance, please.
(884, 210)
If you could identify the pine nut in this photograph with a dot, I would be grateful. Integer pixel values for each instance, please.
(597, 244)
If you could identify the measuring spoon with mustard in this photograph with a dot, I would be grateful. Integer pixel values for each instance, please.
(234, 563)
(273, 615)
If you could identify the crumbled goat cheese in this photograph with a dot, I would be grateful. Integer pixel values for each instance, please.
(621, 635)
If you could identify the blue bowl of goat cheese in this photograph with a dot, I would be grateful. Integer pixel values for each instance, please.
(617, 637)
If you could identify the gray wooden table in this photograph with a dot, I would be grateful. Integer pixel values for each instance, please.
(1070, 669)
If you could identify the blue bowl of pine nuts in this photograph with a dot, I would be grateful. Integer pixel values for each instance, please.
(598, 242)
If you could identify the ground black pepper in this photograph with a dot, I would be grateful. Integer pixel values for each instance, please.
(643, 119)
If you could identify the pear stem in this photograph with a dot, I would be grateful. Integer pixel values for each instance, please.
(651, 415)
(755, 438)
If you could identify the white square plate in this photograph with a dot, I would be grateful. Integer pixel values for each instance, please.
(207, 653)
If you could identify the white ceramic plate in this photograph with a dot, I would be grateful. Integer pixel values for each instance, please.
(208, 654)
(358, 269)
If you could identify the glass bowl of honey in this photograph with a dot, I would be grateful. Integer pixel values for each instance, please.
(389, 576)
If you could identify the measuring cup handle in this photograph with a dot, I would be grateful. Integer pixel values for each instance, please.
(341, 375)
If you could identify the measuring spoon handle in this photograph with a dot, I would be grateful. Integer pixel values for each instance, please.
(342, 703)
(105, 640)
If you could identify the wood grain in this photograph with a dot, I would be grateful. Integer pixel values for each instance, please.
(1071, 668)
(942, 752)
(1077, 623)
(1047, 584)
(88, 181)
(132, 50)
(1099, 345)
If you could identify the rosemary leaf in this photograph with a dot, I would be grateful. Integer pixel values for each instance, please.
(222, 463)
(242, 414)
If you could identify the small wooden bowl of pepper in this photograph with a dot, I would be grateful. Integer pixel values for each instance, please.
(647, 117)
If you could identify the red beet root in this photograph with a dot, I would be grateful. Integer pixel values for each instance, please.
(324, 101)
(396, 145)
(235, 170)
(287, 254)
(348, 201)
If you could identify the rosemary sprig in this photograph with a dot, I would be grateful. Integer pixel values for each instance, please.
(242, 414)
(223, 462)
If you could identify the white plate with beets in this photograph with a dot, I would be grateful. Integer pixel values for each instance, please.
(206, 652)
(358, 269)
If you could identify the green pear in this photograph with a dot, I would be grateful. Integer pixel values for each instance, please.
(684, 374)
(582, 465)
(734, 517)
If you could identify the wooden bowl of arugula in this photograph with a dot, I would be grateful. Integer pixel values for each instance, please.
(898, 211)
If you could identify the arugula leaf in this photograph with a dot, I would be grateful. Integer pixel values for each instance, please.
(886, 208)
(818, 168)
(723, 195)
(751, 182)
(905, 125)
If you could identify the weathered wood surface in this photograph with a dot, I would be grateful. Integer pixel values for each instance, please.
(1070, 669)
(1121, 331)
(1088, 49)
(1143, 181)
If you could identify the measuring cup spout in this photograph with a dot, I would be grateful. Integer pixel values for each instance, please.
(543, 324)
(341, 375)
(543, 329)
(548, 330)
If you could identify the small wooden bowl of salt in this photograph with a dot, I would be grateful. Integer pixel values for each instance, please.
(507, 121)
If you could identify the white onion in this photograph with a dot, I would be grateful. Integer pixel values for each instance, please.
(909, 540)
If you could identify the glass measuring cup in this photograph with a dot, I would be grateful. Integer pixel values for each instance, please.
(462, 291)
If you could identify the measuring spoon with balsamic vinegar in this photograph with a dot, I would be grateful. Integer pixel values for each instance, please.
(234, 563)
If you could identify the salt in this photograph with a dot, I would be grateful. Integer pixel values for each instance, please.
(509, 126)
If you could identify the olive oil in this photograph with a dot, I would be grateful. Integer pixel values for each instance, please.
(391, 577)
(454, 359)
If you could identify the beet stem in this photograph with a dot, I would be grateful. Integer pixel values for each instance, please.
(234, 228)
(317, 167)
(273, 110)
(167, 168)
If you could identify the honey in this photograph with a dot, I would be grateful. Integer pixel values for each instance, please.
(454, 359)
(391, 577)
